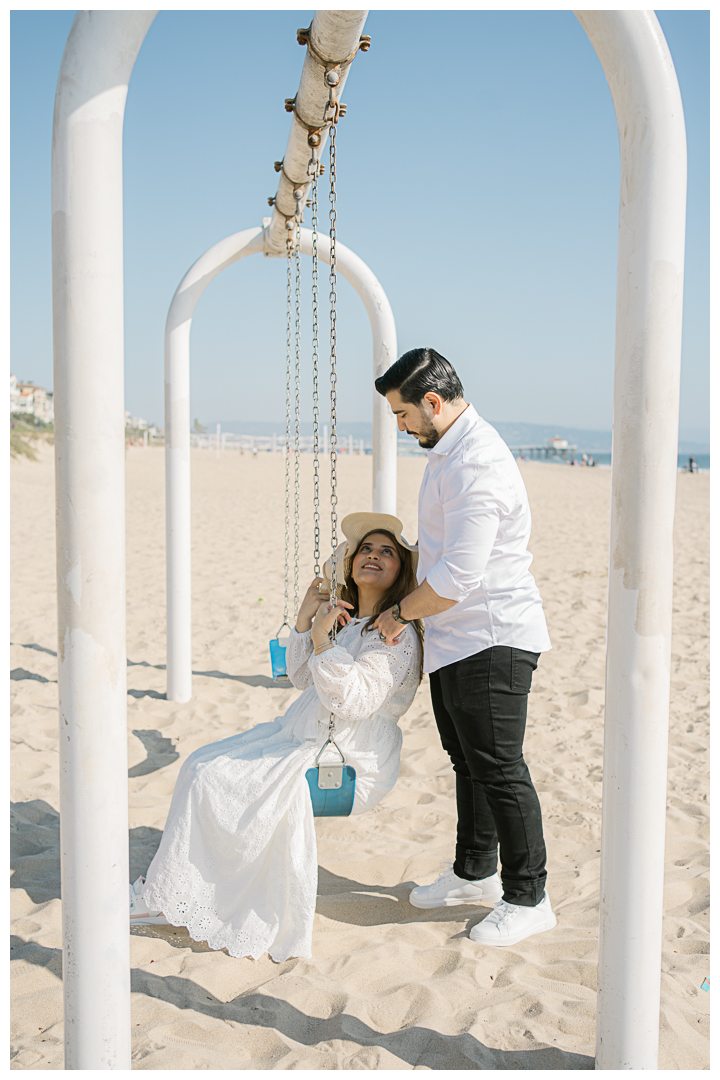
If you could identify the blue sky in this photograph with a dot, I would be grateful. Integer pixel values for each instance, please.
(478, 177)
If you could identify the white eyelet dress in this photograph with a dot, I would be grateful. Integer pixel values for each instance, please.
(237, 863)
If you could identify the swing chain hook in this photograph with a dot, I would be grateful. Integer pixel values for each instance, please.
(334, 109)
(299, 197)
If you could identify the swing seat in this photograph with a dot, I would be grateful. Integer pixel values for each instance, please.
(278, 662)
(332, 786)
(336, 799)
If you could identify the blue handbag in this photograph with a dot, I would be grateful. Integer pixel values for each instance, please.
(277, 656)
(332, 787)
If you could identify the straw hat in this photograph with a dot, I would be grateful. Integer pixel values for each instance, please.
(355, 527)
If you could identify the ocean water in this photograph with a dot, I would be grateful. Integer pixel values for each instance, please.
(701, 460)
(601, 458)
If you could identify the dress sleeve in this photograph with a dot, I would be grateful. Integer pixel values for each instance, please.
(298, 651)
(355, 689)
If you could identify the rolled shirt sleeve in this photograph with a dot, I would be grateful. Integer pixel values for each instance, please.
(471, 515)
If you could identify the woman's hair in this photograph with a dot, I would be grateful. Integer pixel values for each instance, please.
(420, 372)
(403, 584)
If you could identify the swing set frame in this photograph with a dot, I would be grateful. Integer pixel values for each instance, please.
(90, 500)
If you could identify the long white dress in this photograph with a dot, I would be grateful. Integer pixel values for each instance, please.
(237, 864)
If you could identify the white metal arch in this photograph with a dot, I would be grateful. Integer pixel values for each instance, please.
(89, 456)
(177, 420)
(88, 318)
(648, 332)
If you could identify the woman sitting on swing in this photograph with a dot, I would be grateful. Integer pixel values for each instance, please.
(237, 863)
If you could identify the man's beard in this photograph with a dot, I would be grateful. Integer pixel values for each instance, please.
(429, 439)
(427, 435)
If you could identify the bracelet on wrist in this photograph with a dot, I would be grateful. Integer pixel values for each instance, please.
(323, 648)
(395, 612)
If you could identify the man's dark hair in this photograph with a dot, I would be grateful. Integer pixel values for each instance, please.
(420, 372)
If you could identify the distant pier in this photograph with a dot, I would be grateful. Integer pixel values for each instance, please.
(553, 448)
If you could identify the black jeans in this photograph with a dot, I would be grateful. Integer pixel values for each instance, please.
(480, 705)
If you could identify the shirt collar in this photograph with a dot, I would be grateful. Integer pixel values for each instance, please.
(455, 432)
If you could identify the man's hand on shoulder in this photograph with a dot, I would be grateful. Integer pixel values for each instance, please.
(389, 629)
(420, 604)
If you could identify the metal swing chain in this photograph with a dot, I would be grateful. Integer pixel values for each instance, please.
(332, 113)
(297, 420)
(316, 392)
(288, 354)
(333, 354)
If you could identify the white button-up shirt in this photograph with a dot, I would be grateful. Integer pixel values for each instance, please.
(474, 528)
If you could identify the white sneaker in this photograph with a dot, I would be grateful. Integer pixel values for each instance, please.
(509, 923)
(450, 890)
(140, 914)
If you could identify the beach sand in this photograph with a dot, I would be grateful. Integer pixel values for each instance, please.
(388, 987)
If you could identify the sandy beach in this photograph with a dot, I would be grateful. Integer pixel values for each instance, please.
(388, 986)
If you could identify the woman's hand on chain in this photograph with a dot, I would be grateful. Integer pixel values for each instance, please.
(314, 597)
(327, 616)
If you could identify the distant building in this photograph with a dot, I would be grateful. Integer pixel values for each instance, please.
(135, 422)
(32, 400)
(42, 405)
(25, 400)
(557, 443)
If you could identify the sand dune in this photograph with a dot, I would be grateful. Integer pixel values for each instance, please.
(388, 987)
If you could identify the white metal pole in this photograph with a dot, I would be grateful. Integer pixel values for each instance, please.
(177, 452)
(177, 421)
(377, 305)
(90, 505)
(639, 69)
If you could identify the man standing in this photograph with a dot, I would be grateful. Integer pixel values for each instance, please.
(484, 631)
